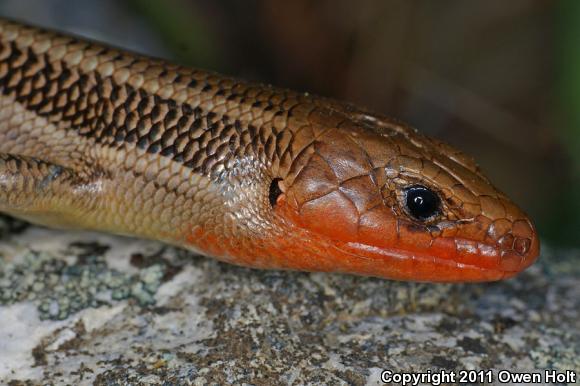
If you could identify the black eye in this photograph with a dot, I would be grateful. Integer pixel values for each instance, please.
(275, 191)
(422, 203)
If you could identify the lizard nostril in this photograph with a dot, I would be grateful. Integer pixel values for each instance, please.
(522, 245)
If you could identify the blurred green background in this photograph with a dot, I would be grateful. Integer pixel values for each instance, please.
(498, 79)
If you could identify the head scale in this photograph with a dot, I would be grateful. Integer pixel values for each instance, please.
(384, 200)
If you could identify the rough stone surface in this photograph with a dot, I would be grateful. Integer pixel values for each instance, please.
(85, 308)
(82, 308)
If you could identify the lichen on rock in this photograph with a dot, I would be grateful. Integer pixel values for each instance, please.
(85, 308)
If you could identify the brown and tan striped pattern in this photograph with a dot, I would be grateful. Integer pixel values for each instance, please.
(188, 157)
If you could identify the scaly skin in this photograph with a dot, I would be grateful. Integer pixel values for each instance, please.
(96, 138)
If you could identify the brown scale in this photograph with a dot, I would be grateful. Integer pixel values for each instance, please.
(242, 171)
(111, 114)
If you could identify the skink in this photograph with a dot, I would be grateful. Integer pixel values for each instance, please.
(96, 138)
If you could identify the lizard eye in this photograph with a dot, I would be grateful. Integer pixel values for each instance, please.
(421, 202)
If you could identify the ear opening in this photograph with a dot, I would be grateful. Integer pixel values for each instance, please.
(275, 191)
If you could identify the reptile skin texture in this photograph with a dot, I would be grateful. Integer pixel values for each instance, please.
(96, 138)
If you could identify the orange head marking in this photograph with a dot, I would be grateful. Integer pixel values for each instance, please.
(379, 199)
(343, 191)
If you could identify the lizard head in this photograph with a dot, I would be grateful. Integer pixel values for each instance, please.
(373, 197)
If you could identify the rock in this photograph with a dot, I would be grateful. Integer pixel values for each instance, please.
(85, 308)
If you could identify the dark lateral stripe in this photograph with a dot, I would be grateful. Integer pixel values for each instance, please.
(116, 115)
